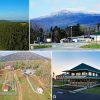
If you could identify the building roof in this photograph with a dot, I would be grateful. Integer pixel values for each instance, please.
(86, 67)
(97, 33)
(61, 74)
(6, 87)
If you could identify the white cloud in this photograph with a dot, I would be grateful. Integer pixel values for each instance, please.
(32, 4)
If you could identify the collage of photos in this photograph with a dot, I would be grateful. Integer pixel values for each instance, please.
(49, 49)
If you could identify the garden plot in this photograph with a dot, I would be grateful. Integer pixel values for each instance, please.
(8, 83)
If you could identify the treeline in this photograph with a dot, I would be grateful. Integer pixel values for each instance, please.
(24, 64)
(59, 33)
(55, 33)
(44, 73)
(14, 35)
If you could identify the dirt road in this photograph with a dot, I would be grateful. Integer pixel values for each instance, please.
(18, 86)
(31, 85)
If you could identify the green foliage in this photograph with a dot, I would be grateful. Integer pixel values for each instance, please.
(42, 46)
(57, 82)
(91, 46)
(56, 33)
(1, 65)
(94, 90)
(22, 64)
(44, 72)
(14, 35)
(36, 31)
(96, 33)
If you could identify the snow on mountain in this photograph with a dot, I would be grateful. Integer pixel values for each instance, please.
(65, 17)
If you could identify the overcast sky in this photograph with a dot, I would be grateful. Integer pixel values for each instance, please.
(45, 7)
(66, 60)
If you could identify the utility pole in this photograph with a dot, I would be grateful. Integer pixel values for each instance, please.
(71, 30)
(42, 37)
(53, 77)
(96, 34)
(96, 37)
(89, 32)
(51, 37)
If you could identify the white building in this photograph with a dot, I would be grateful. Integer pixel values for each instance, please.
(40, 90)
(48, 40)
(95, 37)
(28, 71)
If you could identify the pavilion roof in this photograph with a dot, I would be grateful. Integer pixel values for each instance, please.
(83, 66)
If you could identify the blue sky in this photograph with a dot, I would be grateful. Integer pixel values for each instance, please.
(14, 9)
(45, 7)
(66, 60)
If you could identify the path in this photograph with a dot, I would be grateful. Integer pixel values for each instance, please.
(30, 85)
(18, 86)
(5, 79)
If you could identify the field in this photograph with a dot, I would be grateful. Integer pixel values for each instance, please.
(7, 77)
(25, 91)
(40, 46)
(58, 83)
(26, 95)
(94, 90)
(91, 46)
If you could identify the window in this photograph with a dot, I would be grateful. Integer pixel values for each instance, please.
(67, 73)
(78, 74)
(90, 74)
(83, 73)
(94, 74)
(73, 74)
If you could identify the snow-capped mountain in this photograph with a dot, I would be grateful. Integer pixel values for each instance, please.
(65, 18)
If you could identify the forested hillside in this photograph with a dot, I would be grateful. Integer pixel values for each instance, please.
(14, 35)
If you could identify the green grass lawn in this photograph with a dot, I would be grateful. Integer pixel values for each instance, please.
(56, 82)
(10, 91)
(42, 46)
(0, 87)
(8, 97)
(95, 90)
(91, 46)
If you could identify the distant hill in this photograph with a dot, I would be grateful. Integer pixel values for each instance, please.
(0, 56)
(66, 18)
(13, 20)
(22, 56)
(4, 21)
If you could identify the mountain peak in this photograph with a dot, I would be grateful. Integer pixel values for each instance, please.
(65, 11)
(22, 56)
(62, 11)
(66, 18)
